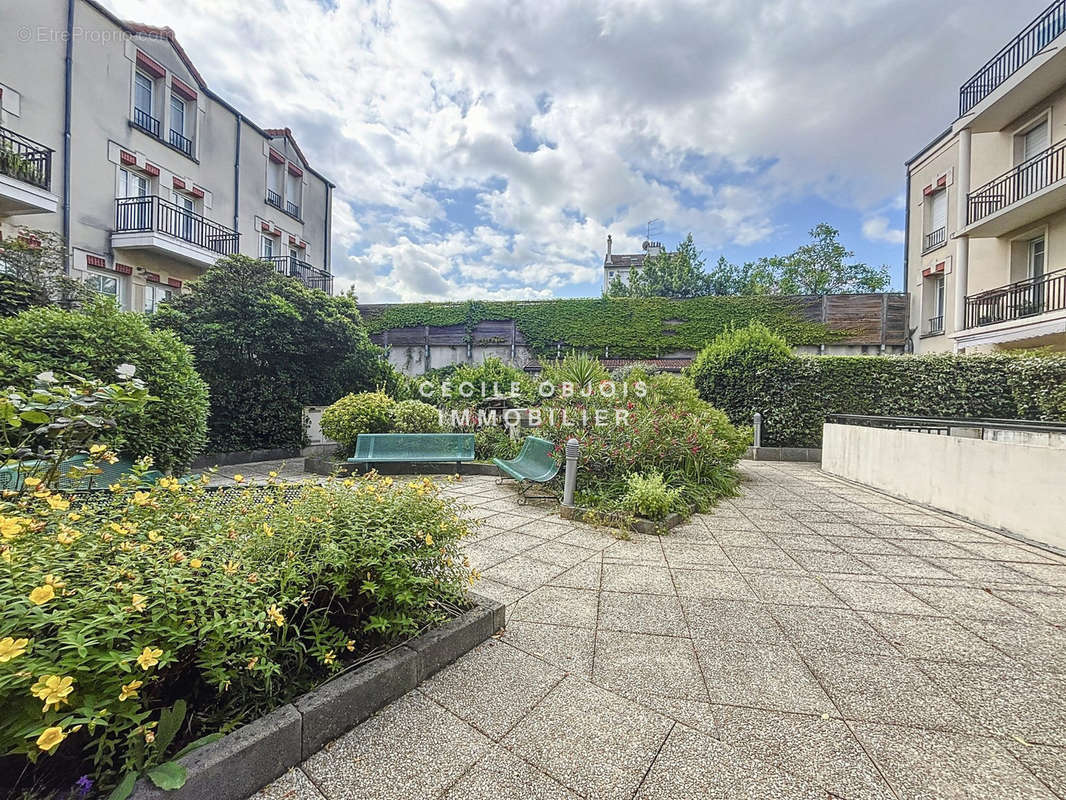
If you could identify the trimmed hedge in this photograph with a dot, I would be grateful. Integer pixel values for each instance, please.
(94, 341)
(642, 327)
(794, 394)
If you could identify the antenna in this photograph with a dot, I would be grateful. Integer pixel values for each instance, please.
(654, 227)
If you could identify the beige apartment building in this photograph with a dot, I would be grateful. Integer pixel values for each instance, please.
(986, 206)
(110, 136)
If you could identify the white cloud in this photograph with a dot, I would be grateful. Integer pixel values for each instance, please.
(712, 117)
(877, 229)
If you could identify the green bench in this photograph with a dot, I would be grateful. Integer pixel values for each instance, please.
(417, 448)
(533, 465)
(12, 477)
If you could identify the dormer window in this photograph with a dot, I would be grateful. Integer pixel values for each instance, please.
(144, 103)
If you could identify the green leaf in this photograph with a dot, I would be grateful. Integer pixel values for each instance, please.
(197, 744)
(124, 788)
(168, 775)
(170, 720)
(36, 417)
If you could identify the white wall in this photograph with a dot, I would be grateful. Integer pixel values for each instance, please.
(1017, 487)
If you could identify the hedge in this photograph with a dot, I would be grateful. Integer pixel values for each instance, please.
(17, 295)
(92, 343)
(627, 326)
(794, 394)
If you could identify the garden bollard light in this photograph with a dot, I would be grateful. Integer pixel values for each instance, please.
(570, 483)
(758, 429)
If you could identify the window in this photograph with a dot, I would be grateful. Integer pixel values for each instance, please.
(1035, 262)
(936, 220)
(154, 295)
(266, 247)
(293, 188)
(177, 115)
(186, 216)
(1034, 141)
(143, 91)
(132, 184)
(935, 305)
(103, 284)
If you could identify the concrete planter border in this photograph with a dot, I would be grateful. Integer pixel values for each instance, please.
(636, 524)
(258, 753)
(325, 466)
(243, 457)
(805, 454)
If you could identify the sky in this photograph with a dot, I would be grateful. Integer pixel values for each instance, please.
(486, 148)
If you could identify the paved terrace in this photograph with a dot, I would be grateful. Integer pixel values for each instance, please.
(808, 639)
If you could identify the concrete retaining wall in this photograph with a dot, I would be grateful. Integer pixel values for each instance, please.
(1016, 487)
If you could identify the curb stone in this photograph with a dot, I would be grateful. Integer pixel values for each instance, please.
(256, 754)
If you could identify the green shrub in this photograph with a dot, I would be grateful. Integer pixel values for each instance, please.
(578, 369)
(446, 387)
(268, 346)
(92, 343)
(492, 442)
(414, 416)
(368, 412)
(749, 373)
(113, 610)
(18, 295)
(649, 496)
(1039, 386)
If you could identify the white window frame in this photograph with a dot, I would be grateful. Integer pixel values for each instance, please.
(1036, 248)
(95, 281)
(150, 111)
(154, 294)
(179, 102)
(125, 176)
(266, 246)
(1018, 137)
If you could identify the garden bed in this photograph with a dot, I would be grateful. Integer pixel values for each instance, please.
(261, 751)
(329, 466)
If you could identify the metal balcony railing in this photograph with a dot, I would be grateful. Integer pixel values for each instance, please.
(935, 239)
(1017, 52)
(274, 199)
(154, 214)
(936, 324)
(292, 209)
(1039, 172)
(309, 276)
(1018, 300)
(183, 144)
(25, 160)
(146, 122)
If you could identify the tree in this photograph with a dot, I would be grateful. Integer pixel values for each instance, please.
(823, 266)
(267, 346)
(677, 274)
(33, 270)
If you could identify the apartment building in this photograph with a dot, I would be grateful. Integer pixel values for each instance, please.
(986, 205)
(110, 136)
(621, 265)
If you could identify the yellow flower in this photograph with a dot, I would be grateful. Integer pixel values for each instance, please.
(32, 482)
(149, 657)
(238, 478)
(12, 648)
(267, 530)
(272, 474)
(141, 498)
(73, 517)
(51, 737)
(149, 737)
(230, 568)
(98, 448)
(129, 690)
(53, 689)
(115, 487)
(42, 594)
(66, 535)
(195, 563)
(350, 645)
(120, 530)
(139, 602)
(58, 503)
(154, 536)
(275, 616)
(54, 582)
(10, 527)
(329, 658)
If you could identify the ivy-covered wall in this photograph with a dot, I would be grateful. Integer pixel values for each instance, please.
(627, 327)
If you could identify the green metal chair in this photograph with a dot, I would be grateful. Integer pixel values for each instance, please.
(534, 465)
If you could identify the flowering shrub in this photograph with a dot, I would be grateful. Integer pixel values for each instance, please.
(414, 416)
(115, 610)
(353, 414)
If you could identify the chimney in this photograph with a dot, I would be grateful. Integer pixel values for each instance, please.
(608, 248)
(652, 248)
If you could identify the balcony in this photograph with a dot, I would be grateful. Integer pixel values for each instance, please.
(1019, 75)
(274, 199)
(936, 326)
(152, 223)
(935, 239)
(181, 143)
(1021, 300)
(146, 122)
(292, 209)
(309, 276)
(25, 176)
(1028, 192)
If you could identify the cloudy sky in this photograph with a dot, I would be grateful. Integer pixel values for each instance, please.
(485, 148)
